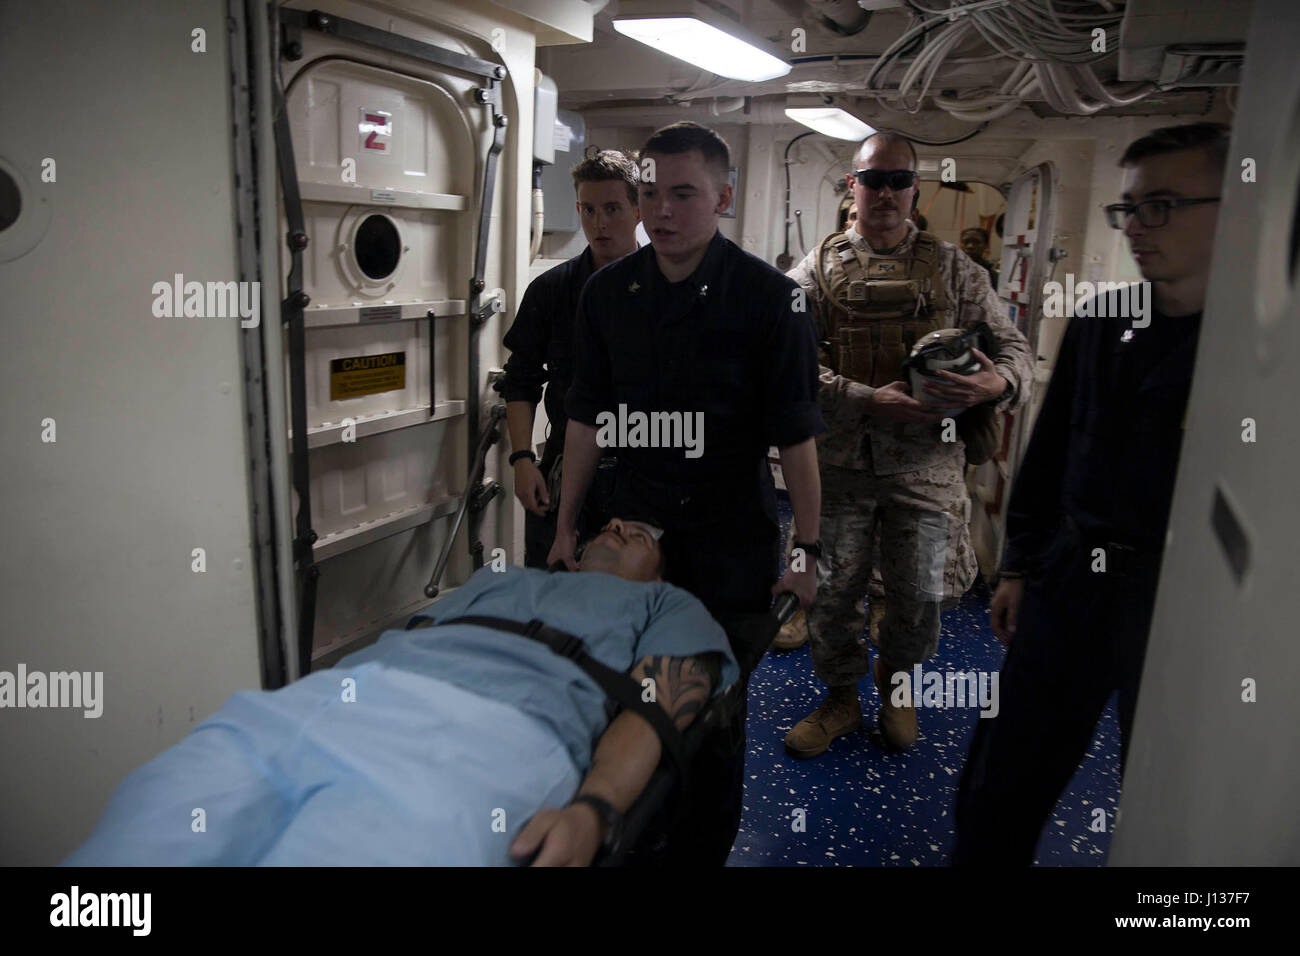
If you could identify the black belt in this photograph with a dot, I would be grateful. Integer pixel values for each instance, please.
(742, 487)
(1122, 556)
(616, 685)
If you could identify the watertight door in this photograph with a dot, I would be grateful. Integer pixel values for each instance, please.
(388, 164)
(1027, 238)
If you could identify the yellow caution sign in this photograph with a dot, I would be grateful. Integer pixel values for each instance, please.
(367, 375)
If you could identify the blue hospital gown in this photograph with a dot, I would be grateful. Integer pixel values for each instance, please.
(456, 737)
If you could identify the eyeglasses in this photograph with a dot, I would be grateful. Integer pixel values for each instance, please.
(1152, 213)
(878, 178)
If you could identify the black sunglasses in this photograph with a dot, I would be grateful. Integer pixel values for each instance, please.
(878, 178)
(1152, 213)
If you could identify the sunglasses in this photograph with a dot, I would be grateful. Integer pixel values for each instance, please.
(879, 178)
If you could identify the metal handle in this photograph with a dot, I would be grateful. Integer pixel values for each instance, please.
(786, 604)
(485, 441)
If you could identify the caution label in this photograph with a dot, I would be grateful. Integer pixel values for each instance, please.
(367, 375)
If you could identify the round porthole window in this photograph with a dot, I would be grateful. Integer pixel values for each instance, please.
(11, 201)
(378, 247)
(24, 212)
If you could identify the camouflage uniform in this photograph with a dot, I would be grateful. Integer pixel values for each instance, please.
(900, 480)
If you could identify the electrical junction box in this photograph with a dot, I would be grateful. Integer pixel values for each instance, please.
(546, 100)
(569, 133)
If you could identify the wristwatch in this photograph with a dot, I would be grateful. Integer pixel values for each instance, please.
(610, 818)
(523, 453)
(813, 549)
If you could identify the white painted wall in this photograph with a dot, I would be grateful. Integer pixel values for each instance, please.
(150, 457)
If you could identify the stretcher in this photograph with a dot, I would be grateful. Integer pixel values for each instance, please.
(306, 776)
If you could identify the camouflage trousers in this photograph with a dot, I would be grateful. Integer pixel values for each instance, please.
(877, 586)
(926, 564)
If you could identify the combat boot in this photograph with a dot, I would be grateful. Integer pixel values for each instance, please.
(839, 714)
(794, 633)
(897, 724)
(875, 611)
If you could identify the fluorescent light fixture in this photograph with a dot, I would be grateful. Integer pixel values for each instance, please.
(832, 121)
(704, 45)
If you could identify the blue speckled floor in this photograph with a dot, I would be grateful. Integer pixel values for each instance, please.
(866, 807)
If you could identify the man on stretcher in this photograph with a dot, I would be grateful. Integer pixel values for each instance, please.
(450, 744)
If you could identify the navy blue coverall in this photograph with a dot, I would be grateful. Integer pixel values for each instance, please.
(1098, 473)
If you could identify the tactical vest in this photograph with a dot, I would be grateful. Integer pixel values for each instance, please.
(878, 306)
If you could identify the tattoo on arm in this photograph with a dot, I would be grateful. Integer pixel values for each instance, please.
(682, 684)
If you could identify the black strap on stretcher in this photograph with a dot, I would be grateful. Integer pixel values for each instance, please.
(616, 685)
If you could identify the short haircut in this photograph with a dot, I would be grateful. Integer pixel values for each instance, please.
(886, 139)
(1212, 137)
(983, 233)
(606, 166)
(686, 136)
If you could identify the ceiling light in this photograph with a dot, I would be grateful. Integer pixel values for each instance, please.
(701, 37)
(832, 121)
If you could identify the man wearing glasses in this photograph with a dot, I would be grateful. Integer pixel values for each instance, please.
(1097, 479)
(889, 466)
